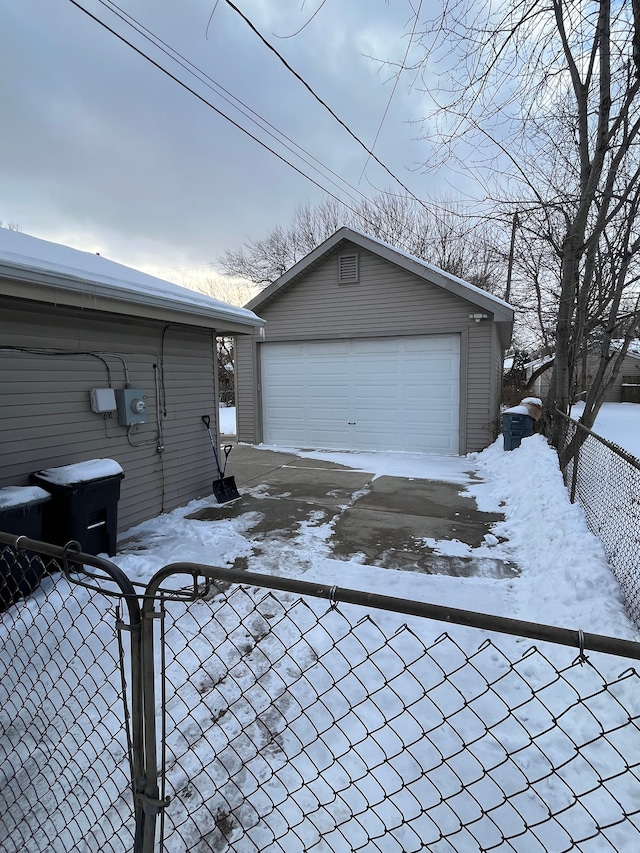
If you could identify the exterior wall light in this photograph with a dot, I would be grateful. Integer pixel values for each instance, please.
(478, 317)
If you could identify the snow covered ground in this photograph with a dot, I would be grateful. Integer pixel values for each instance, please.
(564, 581)
(228, 420)
(617, 422)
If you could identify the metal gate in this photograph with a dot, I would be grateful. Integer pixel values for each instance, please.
(70, 734)
(217, 710)
(292, 719)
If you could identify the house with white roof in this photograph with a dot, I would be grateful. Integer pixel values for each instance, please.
(98, 361)
(369, 348)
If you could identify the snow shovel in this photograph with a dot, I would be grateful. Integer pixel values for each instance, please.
(224, 488)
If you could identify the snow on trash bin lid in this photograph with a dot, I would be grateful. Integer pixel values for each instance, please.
(12, 497)
(517, 410)
(531, 406)
(81, 472)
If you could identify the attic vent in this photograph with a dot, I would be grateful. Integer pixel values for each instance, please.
(347, 269)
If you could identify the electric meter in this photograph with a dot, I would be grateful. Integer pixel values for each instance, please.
(132, 408)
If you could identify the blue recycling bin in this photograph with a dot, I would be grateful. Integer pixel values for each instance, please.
(515, 427)
(84, 504)
(21, 513)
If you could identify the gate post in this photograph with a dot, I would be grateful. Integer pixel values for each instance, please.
(149, 796)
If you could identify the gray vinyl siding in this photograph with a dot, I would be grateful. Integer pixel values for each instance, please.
(386, 300)
(479, 387)
(630, 367)
(246, 390)
(496, 382)
(46, 416)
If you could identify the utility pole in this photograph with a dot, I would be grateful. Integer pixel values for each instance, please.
(516, 222)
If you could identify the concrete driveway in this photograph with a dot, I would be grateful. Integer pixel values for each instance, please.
(383, 521)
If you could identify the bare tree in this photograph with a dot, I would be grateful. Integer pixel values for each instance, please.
(447, 237)
(235, 290)
(263, 260)
(226, 371)
(541, 102)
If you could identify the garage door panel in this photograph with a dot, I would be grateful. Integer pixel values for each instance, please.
(278, 419)
(338, 413)
(376, 345)
(282, 374)
(365, 394)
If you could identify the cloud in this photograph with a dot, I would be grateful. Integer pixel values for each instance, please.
(100, 147)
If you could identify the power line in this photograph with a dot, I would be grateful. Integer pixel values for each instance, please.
(324, 104)
(362, 214)
(203, 77)
(200, 97)
(306, 23)
(395, 85)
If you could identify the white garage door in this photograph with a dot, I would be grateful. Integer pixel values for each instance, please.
(363, 394)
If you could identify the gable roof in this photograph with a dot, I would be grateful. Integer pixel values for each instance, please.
(38, 270)
(502, 312)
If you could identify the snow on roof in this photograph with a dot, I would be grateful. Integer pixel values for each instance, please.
(434, 269)
(81, 472)
(86, 272)
(538, 362)
(633, 351)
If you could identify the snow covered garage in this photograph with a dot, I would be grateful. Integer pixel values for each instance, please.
(77, 331)
(368, 348)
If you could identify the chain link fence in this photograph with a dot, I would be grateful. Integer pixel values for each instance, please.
(65, 758)
(282, 715)
(289, 724)
(605, 479)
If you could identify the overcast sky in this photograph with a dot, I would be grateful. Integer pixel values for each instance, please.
(102, 151)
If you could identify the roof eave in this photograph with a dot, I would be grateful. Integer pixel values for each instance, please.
(57, 288)
(501, 311)
(291, 275)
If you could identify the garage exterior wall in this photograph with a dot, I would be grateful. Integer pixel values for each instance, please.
(47, 420)
(386, 301)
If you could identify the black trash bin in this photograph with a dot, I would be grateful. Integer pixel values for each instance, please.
(515, 427)
(84, 504)
(21, 512)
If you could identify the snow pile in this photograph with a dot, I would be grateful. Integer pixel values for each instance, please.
(565, 579)
(413, 466)
(63, 747)
(227, 420)
(295, 726)
(516, 410)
